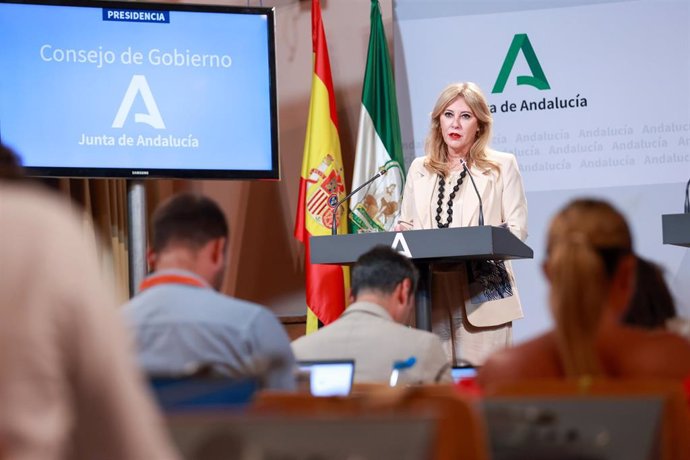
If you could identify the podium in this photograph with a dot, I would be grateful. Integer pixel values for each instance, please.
(676, 229)
(424, 247)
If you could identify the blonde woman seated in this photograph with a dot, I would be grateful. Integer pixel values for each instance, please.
(590, 267)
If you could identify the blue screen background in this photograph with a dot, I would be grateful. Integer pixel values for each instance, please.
(46, 107)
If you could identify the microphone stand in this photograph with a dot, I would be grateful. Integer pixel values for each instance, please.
(334, 225)
(476, 190)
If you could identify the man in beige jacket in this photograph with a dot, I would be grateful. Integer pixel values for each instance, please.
(371, 330)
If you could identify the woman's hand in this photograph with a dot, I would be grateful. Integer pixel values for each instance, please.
(399, 227)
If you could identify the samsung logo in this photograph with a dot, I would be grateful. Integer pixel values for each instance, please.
(140, 173)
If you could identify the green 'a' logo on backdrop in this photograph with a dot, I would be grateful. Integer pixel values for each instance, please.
(537, 79)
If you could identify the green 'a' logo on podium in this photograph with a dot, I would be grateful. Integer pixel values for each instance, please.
(537, 79)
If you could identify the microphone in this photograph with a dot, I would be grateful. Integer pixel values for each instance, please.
(334, 227)
(687, 198)
(481, 208)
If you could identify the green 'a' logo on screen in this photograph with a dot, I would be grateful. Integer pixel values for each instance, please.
(537, 79)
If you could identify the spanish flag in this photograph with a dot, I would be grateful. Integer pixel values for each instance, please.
(322, 185)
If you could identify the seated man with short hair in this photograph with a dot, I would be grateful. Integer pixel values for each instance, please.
(181, 321)
(371, 330)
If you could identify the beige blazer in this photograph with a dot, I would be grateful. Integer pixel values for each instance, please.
(366, 333)
(504, 203)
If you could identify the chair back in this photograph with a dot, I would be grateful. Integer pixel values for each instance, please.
(673, 428)
(202, 393)
(459, 431)
(252, 436)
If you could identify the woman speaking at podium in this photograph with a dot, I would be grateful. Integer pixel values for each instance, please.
(474, 303)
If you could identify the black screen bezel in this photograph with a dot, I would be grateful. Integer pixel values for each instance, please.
(165, 173)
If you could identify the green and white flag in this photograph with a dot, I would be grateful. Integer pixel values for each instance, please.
(376, 207)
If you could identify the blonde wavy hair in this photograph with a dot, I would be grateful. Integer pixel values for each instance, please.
(586, 242)
(435, 147)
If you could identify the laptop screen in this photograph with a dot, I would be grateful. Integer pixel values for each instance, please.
(329, 378)
(462, 372)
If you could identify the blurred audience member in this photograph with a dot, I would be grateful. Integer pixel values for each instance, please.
(10, 166)
(371, 330)
(182, 323)
(590, 267)
(652, 303)
(69, 386)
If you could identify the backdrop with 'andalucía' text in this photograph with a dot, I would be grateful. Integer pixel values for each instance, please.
(592, 96)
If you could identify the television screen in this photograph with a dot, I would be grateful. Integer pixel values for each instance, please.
(114, 89)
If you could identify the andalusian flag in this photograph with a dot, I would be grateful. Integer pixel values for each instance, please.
(321, 184)
(376, 207)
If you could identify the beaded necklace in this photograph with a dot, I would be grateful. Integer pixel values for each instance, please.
(451, 197)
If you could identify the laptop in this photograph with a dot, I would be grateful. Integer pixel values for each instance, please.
(328, 377)
(458, 373)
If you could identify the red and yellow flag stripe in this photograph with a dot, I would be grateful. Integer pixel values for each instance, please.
(322, 182)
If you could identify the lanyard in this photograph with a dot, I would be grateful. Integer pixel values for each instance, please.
(157, 280)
